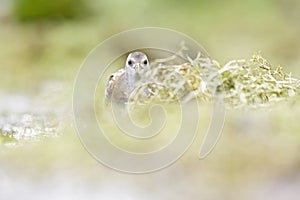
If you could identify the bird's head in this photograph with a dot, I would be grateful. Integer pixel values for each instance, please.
(137, 61)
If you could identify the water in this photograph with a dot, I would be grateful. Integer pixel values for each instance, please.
(25, 118)
(62, 169)
(18, 128)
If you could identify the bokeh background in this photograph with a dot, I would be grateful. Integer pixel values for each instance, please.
(42, 45)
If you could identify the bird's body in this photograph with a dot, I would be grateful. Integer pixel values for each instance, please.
(123, 82)
(114, 88)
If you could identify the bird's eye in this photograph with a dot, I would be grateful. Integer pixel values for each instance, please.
(129, 62)
(145, 62)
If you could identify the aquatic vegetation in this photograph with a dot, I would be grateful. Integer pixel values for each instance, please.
(244, 83)
(256, 83)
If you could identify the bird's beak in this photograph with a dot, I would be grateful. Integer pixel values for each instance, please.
(138, 67)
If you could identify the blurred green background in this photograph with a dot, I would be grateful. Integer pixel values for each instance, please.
(257, 156)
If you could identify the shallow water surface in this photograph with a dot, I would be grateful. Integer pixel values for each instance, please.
(26, 118)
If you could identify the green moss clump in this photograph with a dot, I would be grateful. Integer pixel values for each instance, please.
(28, 10)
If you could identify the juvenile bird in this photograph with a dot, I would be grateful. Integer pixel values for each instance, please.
(123, 82)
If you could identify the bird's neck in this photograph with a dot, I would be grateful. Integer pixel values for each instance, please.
(132, 78)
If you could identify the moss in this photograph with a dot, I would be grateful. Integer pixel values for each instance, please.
(28, 10)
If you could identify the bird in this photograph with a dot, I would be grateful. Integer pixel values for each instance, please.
(121, 83)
